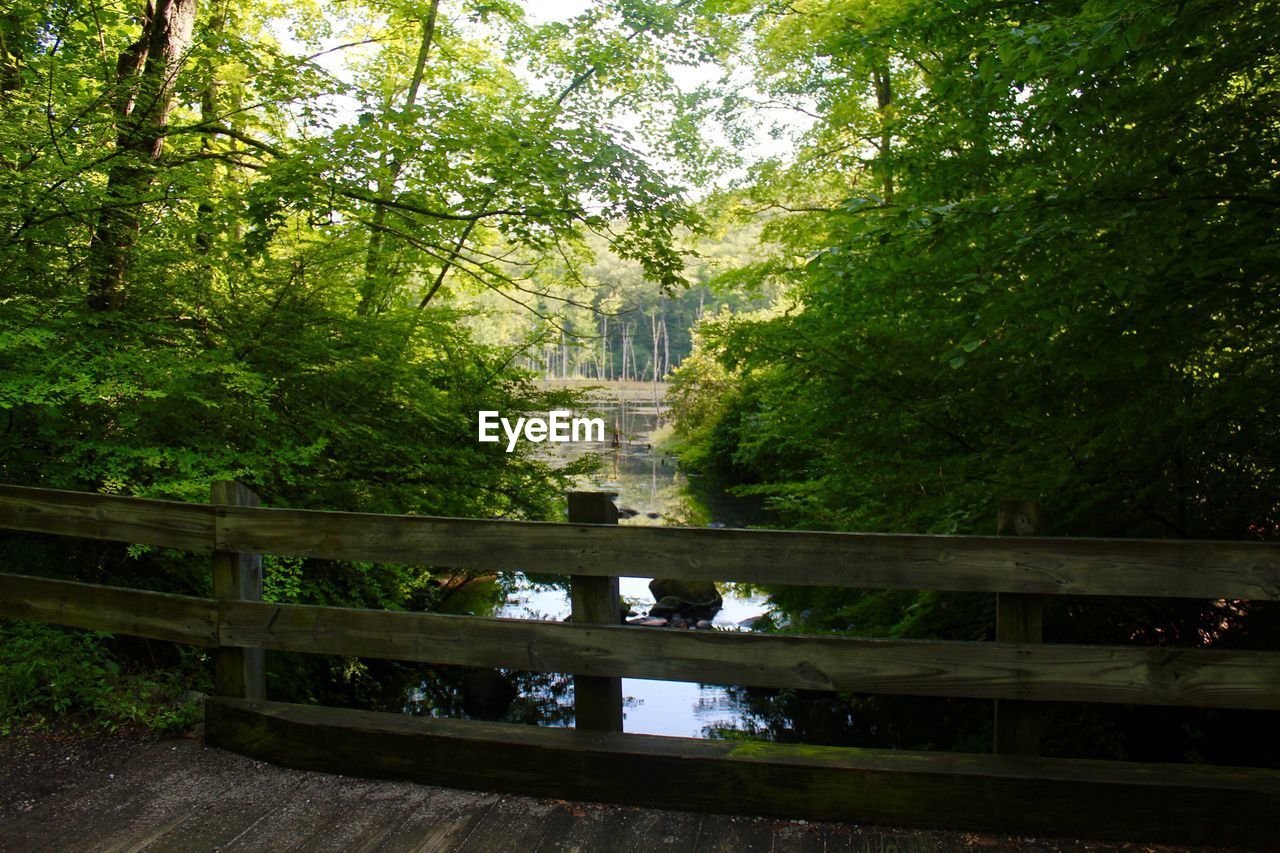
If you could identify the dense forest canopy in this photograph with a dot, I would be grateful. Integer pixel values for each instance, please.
(1029, 250)
(213, 228)
(1026, 250)
(244, 239)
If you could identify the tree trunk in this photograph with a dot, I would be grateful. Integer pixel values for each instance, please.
(666, 346)
(884, 97)
(653, 328)
(606, 368)
(626, 336)
(373, 297)
(205, 235)
(145, 75)
(10, 56)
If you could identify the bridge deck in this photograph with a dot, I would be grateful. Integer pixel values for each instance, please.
(75, 793)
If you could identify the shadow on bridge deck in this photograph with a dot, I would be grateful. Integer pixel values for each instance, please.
(64, 792)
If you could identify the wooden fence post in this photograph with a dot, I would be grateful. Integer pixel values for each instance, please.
(1019, 619)
(597, 700)
(238, 672)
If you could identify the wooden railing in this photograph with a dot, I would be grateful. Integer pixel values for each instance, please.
(1006, 791)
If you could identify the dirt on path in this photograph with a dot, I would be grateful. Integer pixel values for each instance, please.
(66, 791)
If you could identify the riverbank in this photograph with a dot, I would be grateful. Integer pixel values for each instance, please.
(612, 389)
(649, 489)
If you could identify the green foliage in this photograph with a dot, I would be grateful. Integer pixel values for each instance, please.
(1029, 250)
(1045, 267)
(48, 672)
(595, 314)
(243, 265)
(1024, 250)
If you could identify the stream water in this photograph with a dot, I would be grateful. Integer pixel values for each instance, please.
(653, 491)
(650, 490)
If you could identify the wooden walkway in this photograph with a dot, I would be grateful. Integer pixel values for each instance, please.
(177, 795)
(1014, 790)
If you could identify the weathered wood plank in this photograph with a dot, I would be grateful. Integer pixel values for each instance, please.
(1161, 676)
(801, 838)
(1171, 568)
(597, 701)
(514, 823)
(1006, 793)
(326, 814)
(441, 822)
(1019, 619)
(108, 813)
(156, 615)
(234, 813)
(585, 828)
(237, 576)
(167, 524)
(651, 830)
(723, 834)
(1186, 569)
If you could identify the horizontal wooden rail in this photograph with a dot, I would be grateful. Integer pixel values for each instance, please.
(1168, 568)
(168, 524)
(136, 612)
(867, 560)
(1004, 792)
(1054, 796)
(1155, 676)
(1127, 674)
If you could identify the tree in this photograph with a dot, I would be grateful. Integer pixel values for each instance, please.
(1066, 291)
(145, 75)
(214, 239)
(1029, 251)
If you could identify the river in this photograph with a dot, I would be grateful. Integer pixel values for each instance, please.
(651, 490)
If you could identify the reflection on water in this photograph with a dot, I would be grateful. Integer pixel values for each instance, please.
(653, 491)
(649, 490)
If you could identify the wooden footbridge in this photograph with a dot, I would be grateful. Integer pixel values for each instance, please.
(1013, 790)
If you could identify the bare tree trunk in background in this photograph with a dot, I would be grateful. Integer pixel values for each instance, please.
(884, 97)
(605, 367)
(631, 352)
(10, 56)
(373, 294)
(666, 346)
(626, 337)
(145, 73)
(653, 329)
